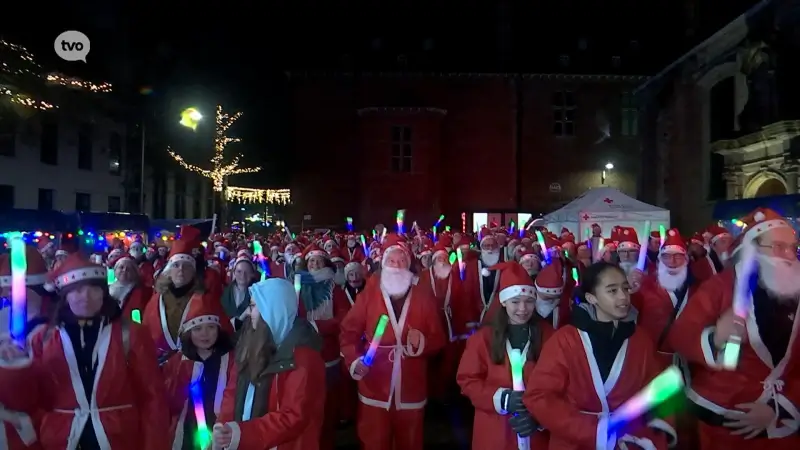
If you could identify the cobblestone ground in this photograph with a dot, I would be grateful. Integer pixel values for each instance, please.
(446, 428)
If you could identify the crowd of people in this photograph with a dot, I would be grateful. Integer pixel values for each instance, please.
(251, 342)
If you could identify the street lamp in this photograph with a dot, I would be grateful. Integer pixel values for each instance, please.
(190, 118)
(608, 168)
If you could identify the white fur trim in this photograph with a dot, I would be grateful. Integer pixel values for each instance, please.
(673, 249)
(320, 253)
(398, 248)
(126, 260)
(727, 235)
(496, 401)
(549, 291)
(661, 425)
(757, 230)
(488, 236)
(25, 429)
(86, 273)
(337, 259)
(49, 287)
(199, 320)
(424, 252)
(530, 256)
(61, 253)
(446, 254)
(351, 267)
(36, 279)
(178, 257)
(708, 352)
(625, 245)
(516, 291)
(485, 272)
(352, 370)
(236, 436)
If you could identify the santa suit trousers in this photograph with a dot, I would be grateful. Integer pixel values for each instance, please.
(379, 429)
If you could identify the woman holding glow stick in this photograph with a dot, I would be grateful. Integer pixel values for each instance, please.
(485, 372)
(276, 396)
(592, 366)
(98, 378)
(205, 359)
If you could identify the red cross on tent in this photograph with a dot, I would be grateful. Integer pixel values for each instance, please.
(608, 200)
(585, 217)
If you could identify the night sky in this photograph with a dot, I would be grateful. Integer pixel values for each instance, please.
(236, 52)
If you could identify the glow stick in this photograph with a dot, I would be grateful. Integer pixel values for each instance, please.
(364, 244)
(110, 276)
(643, 242)
(383, 235)
(664, 386)
(545, 252)
(434, 233)
(349, 224)
(575, 276)
(461, 267)
(136, 316)
(202, 437)
(517, 361)
(19, 290)
(401, 216)
(742, 302)
(662, 234)
(376, 340)
(298, 284)
(262, 260)
(598, 252)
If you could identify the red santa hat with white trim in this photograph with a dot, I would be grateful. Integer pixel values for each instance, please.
(526, 253)
(123, 258)
(182, 248)
(757, 223)
(673, 242)
(514, 281)
(717, 232)
(549, 281)
(628, 239)
(313, 250)
(35, 272)
(440, 247)
(485, 234)
(199, 313)
(76, 271)
(393, 242)
(336, 256)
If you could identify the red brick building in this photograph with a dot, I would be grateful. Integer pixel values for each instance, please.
(368, 144)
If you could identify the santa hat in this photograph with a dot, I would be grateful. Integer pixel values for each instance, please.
(485, 234)
(199, 313)
(241, 259)
(757, 223)
(697, 239)
(440, 247)
(394, 242)
(564, 232)
(718, 232)
(336, 256)
(114, 255)
(352, 266)
(76, 270)
(526, 253)
(313, 250)
(44, 243)
(122, 259)
(549, 281)
(628, 239)
(35, 272)
(514, 281)
(137, 244)
(673, 243)
(182, 248)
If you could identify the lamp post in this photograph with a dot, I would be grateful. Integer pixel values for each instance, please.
(608, 168)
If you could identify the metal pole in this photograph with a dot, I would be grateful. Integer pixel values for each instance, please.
(141, 181)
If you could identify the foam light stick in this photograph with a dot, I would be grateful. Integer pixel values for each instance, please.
(349, 224)
(517, 361)
(401, 217)
(364, 244)
(262, 260)
(742, 302)
(664, 386)
(598, 252)
(643, 242)
(111, 277)
(662, 234)
(447, 228)
(202, 437)
(298, 284)
(376, 340)
(136, 316)
(19, 294)
(434, 234)
(460, 257)
(545, 251)
(575, 276)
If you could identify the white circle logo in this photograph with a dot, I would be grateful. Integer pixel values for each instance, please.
(72, 46)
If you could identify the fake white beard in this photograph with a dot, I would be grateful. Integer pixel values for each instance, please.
(780, 277)
(627, 266)
(672, 279)
(324, 274)
(545, 307)
(490, 257)
(395, 281)
(351, 243)
(441, 270)
(288, 257)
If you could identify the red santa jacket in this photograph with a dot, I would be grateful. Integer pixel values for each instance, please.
(128, 404)
(483, 381)
(398, 372)
(134, 299)
(454, 311)
(568, 398)
(355, 254)
(147, 272)
(20, 402)
(481, 308)
(328, 329)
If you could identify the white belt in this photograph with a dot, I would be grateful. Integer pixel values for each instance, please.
(85, 412)
(643, 443)
(82, 417)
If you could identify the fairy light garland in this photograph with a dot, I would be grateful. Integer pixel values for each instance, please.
(219, 169)
(251, 195)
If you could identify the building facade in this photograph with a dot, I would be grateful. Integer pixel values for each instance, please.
(432, 143)
(721, 122)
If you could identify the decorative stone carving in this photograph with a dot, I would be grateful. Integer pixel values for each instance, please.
(734, 179)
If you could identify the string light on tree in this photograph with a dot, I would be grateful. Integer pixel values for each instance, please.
(249, 195)
(219, 170)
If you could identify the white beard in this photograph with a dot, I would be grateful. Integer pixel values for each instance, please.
(781, 278)
(288, 257)
(490, 258)
(351, 243)
(395, 281)
(627, 266)
(441, 270)
(545, 308)
(672, 281)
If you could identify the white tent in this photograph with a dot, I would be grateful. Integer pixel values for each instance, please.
(606, 207)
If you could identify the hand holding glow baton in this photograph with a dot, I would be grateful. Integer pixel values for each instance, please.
(202, 437)
(376, 340)
(517, 361)
(662, 234)
(541, 241)
(364, 244)
(19, 291)
(643, 242)
(664, 386)
(742, 300)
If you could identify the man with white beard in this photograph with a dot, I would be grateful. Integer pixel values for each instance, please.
(479, 281)
(756, 404)
(530, 261)
(717, 255)
(628, 249)
(393, 386)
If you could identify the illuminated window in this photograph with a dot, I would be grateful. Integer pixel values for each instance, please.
(401, 149)
(564, 113)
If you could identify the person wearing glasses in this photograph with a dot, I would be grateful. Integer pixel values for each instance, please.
(754, 405)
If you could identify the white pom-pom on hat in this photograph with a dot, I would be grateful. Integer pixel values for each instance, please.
(485, 272)
(672, 232)
(759, 216)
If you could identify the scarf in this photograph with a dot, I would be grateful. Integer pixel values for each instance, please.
(316, 296)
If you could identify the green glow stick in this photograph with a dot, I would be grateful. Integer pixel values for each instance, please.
(376, 340)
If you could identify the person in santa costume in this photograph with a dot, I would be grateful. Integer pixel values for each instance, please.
(275, 397)
(338, 264)
(392, 389)
(480, 281)
(19, 402)
(530, 261)
(485, 371)
(756, 404)
(236, 296)
(583, 254)
(587, 369)
(97, 375)
(199, 373)
(353, 251)
(628, 249)
(553, 299)
(128, 288)
(717, 255)
(175, 288)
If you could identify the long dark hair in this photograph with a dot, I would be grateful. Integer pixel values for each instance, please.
(254, 350)
(222, 346)
(109, 310)
(591, 278)
(499, 326)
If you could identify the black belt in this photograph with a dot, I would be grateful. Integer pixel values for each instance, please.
(712, 418)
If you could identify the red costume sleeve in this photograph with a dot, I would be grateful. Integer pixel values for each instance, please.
(149, 388)
(351, 333)
(341, 306)
(546, 395)
(328, 327)
(472, 373)
(177, 377)
(435, 337)
(302, 396)
(691, 334)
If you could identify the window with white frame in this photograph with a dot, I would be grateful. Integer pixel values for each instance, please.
(401, 149)
(564, 113)
(629, 116)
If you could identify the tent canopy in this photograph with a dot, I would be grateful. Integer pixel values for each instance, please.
(607, 207)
